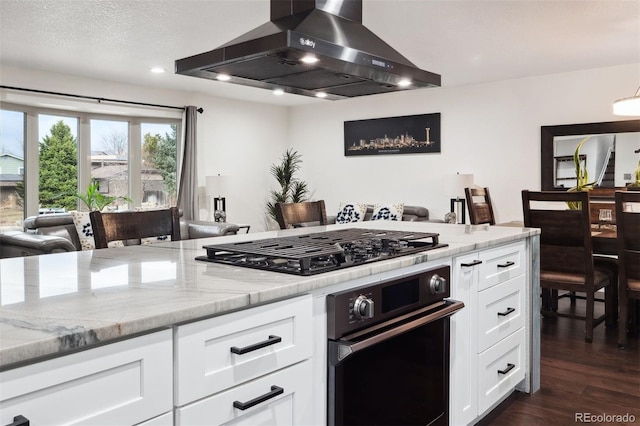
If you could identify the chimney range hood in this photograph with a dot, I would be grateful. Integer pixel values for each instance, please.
(311, 47)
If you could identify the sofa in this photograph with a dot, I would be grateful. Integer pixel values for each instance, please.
(409, 214)
(55, 233)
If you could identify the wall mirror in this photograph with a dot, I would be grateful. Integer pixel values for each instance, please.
(610, 154)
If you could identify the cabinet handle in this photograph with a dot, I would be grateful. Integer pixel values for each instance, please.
(474, 263)
(506, 370)
(272, 340)
(275, 391)
(19, 421)
(507, 312)
(506, 264)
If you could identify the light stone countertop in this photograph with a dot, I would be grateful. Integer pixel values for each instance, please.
(55, 303)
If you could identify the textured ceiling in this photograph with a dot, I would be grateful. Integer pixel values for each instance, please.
(467, 42)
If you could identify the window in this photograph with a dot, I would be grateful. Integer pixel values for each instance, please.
(12, 135)
(47, 156)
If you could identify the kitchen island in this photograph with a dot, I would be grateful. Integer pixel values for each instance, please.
(67, 305)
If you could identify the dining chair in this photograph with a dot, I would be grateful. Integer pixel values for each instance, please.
(133, 226)
(293, 215)
(566, 254)
(628, 239)
(480, 208)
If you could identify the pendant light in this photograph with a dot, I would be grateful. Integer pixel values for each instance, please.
(628, 106)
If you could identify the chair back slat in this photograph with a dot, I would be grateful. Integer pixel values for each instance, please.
(116, 226)
(291, 214)
(480, 207)
(628, 234)
(565, 238)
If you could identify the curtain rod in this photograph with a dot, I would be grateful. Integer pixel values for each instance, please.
(200, 110)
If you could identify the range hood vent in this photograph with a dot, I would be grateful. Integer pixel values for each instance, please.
(350, 59)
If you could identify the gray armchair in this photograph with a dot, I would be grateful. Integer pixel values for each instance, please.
(55, 233)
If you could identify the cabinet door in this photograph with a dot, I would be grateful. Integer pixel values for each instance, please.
(463, 392)
(215, 354)
(280, 398)
(501, 311)
(117, 384)
(501, 264)
(500, 368)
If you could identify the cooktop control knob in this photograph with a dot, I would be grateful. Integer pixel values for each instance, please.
(437, 284)
(363, 307)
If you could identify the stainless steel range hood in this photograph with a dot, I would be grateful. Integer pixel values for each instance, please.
(351, 60)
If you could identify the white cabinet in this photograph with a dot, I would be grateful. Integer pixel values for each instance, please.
(122, 383)
(258, 353)
(280, 398)
(488, 336)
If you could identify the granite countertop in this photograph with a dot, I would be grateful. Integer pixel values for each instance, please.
(55, 303)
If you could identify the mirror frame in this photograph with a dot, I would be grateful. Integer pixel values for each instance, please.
(547, 133)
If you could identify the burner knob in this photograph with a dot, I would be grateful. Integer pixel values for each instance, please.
(363, 307)
(438, 284)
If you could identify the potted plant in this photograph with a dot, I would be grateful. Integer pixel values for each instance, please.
(582, 175)
(95, 200)
(636, 182)
(292, 189)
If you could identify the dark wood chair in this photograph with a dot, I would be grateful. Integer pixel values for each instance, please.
(309, 213)
(566, 254)
(628, 238)
(133, 226)
(480, 208)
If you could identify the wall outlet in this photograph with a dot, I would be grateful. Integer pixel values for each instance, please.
(627, 176)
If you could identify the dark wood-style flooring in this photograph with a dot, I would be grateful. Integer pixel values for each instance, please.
(577, 377)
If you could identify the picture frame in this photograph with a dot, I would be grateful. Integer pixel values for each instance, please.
(409, 134)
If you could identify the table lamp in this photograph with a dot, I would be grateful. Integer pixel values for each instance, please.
(455, 184)
(215, 187)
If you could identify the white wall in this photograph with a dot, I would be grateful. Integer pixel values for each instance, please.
(490, 130)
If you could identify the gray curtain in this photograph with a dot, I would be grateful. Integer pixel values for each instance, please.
(188, 188)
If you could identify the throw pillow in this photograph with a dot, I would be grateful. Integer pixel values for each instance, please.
(85, 231)
(387, 211)
(351, 212)
(158, 239)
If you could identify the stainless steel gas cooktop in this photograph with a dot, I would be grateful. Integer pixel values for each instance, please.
(315, 253)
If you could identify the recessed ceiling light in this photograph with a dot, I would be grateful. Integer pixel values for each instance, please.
(404, 82)
(157, 70)
(309, 59)
(321, 95)
(278, 92)
(223, 77)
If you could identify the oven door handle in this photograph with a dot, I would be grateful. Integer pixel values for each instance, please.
(346, 348)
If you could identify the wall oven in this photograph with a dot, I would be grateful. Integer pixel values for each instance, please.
(388, 351)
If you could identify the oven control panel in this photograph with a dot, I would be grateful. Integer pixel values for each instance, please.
(357, 308)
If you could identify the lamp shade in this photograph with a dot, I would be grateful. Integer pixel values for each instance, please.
(628, 106)
(456, 183)
(215, 185)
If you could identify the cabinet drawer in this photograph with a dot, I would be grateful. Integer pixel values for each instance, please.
(500, 369)
(121, 383)
(267, 338)
(291, 406)
(501, 264)
(501, 311)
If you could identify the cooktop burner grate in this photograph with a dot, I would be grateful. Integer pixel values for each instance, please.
(311, 254)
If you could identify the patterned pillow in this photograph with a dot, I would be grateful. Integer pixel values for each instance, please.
(158, 239)
(387, 211)
(351, 212)
(85, 231)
